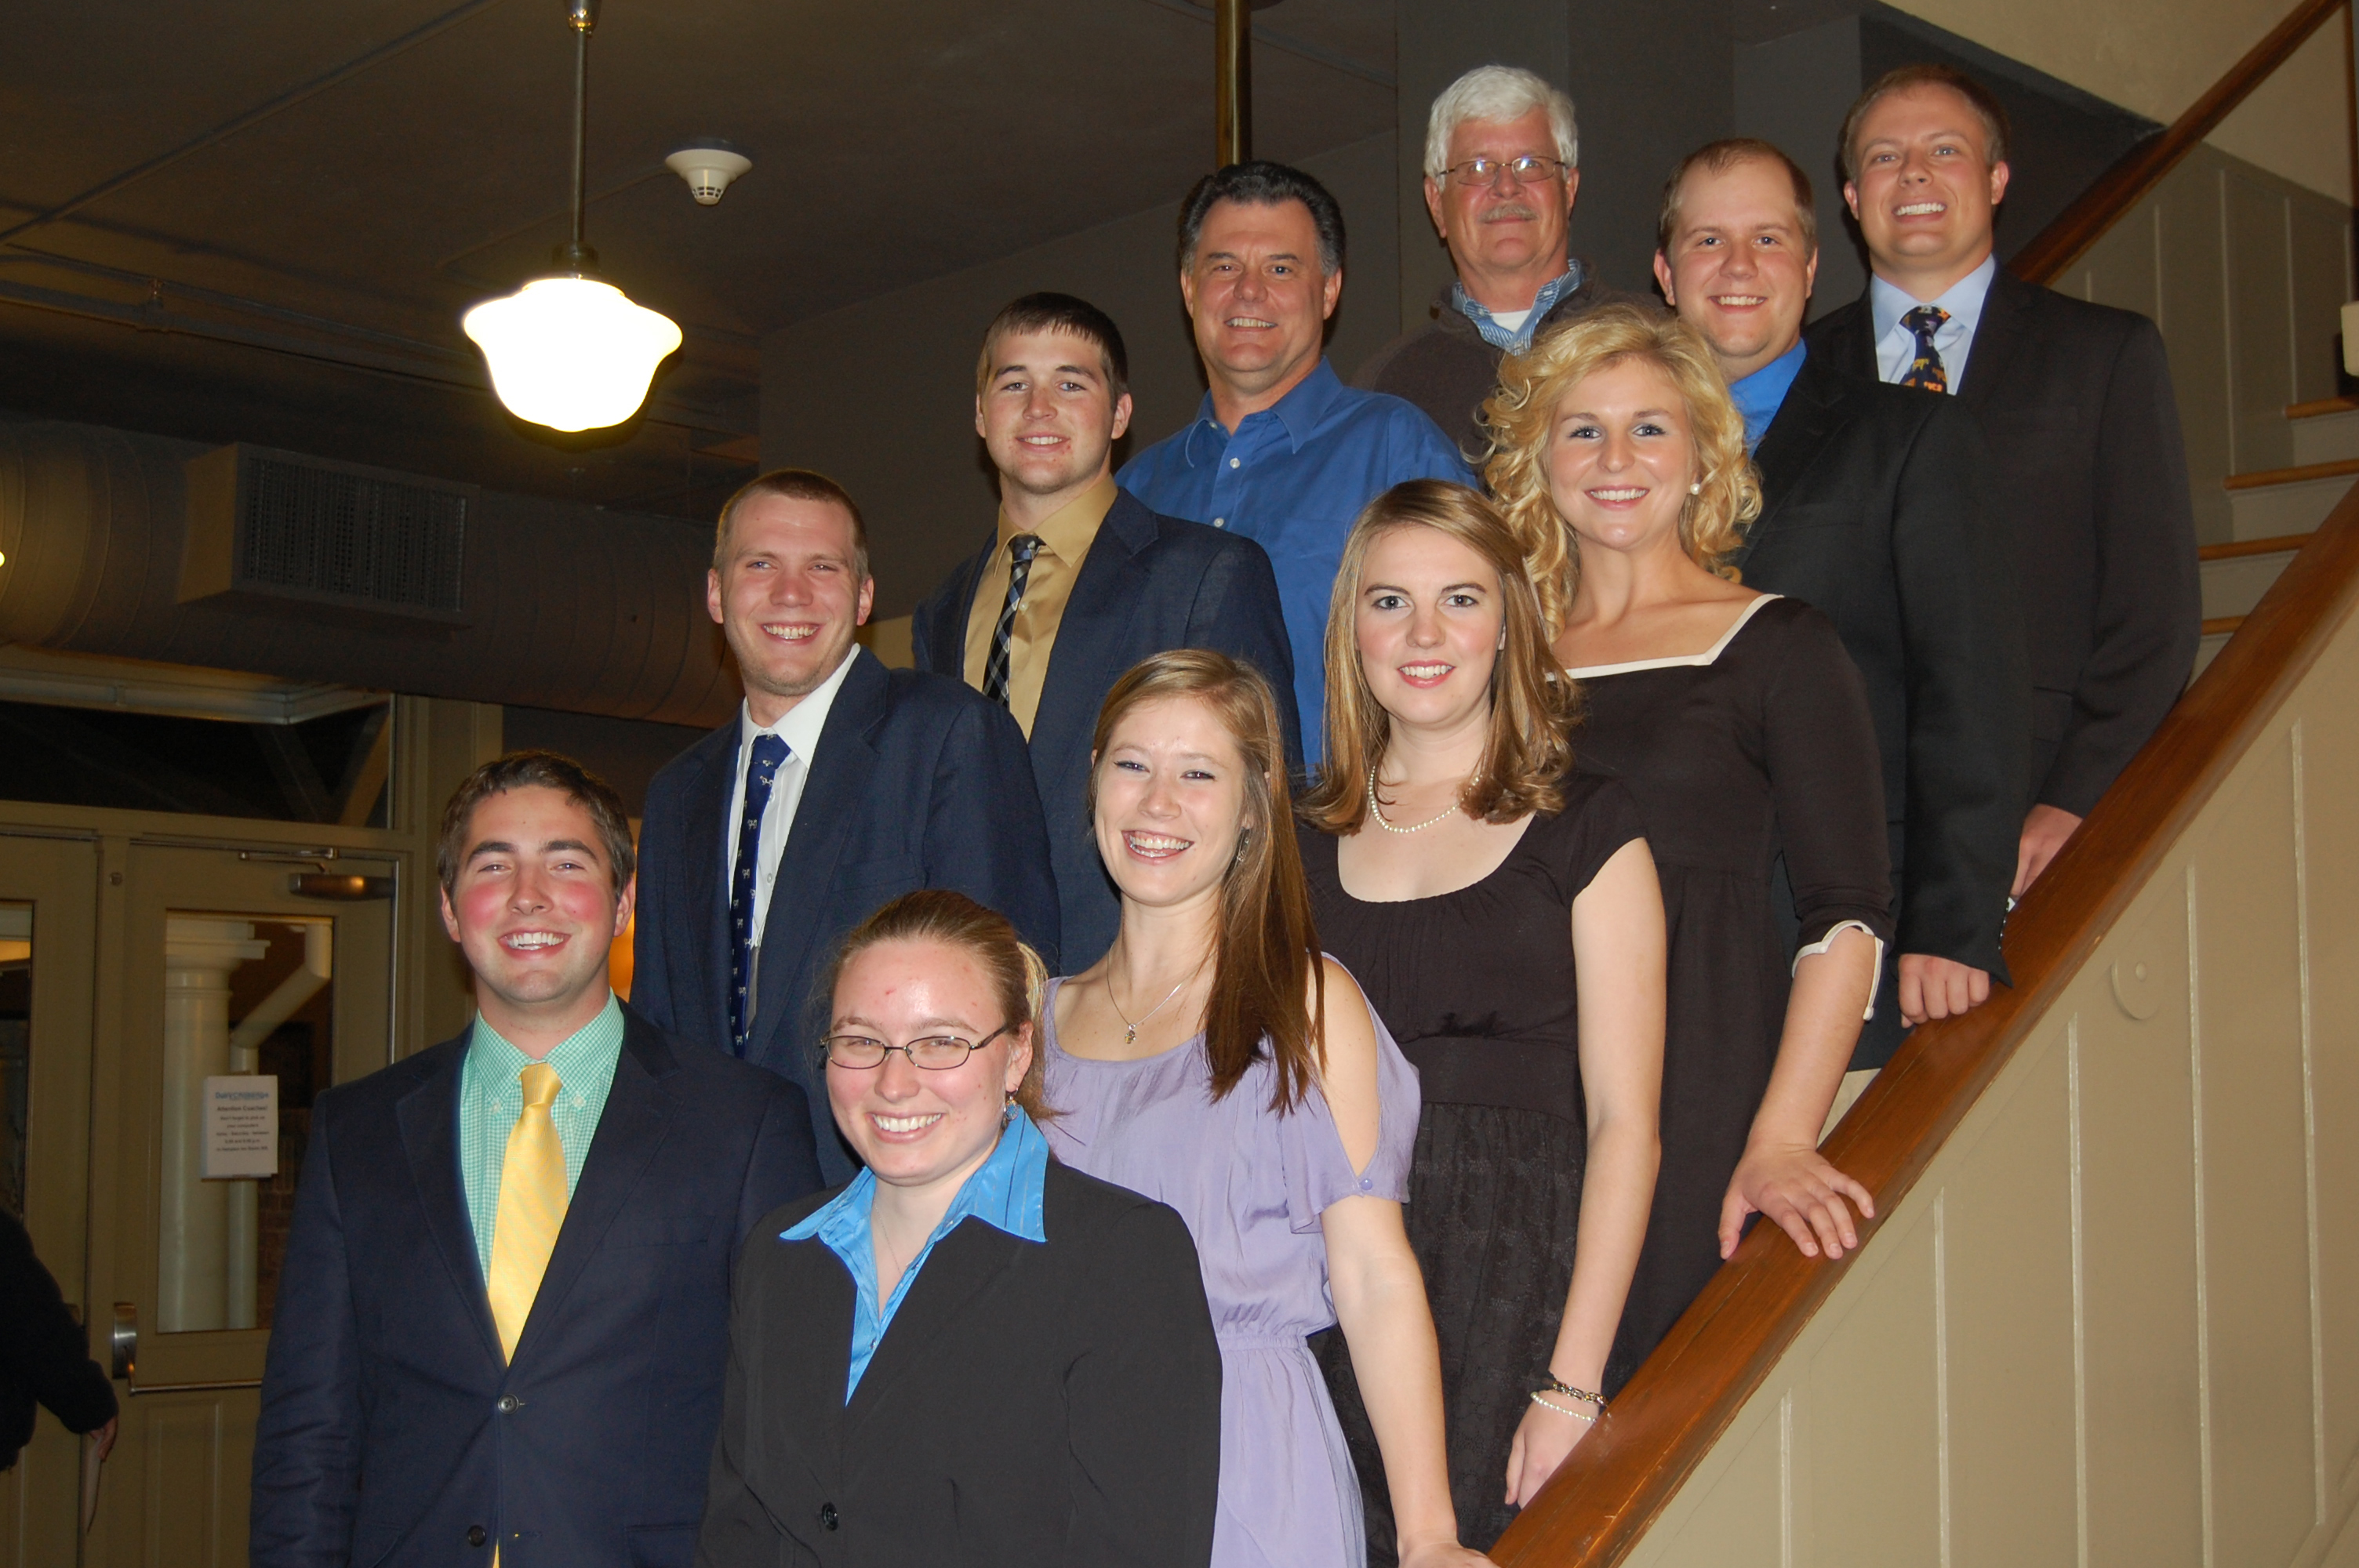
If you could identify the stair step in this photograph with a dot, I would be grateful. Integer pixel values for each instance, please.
(2321, 406)
(2235, 576)
(2330, 431)
(2279, 502)
(2212, 642)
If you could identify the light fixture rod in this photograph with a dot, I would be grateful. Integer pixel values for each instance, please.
(577, 255)
(1232, 82)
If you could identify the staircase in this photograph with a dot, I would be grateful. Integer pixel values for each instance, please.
(2274, 513)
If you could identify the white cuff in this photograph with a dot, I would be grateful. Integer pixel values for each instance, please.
(1874, 979)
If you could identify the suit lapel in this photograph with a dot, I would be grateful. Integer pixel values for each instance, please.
(840, 776)
(709, 848)
(1089, 637)
(1793, 441)
(630, 1130)
(1998, 336)
(429, 1116)
(1848, 337)
(950, 629)
(965, 1264)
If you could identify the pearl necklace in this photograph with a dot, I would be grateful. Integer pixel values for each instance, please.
(1378, 811)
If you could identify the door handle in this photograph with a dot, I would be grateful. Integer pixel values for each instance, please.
(125, 1339)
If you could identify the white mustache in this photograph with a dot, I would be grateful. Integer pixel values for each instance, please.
(1507, 210)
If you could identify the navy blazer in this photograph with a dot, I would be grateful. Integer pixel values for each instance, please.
(391, 1431)
(1149, 583)
(2088, 468)
(918, 783)
(1049, 1404)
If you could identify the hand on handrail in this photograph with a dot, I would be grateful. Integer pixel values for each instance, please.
(1801, 1193)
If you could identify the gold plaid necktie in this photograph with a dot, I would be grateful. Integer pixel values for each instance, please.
(532, 1208)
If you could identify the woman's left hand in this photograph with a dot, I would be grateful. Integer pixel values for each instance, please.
(1543, 1439)
(1801, 1192)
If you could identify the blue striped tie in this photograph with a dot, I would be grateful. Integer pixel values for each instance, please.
(1020, 551)
(769, 753)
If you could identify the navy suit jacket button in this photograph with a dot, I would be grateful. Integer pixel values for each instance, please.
(509, 1402)
(475, 1536)
(827, 1516)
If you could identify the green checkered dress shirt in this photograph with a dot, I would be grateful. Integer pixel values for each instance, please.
(491, 1098)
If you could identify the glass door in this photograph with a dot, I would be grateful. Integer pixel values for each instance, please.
(253, 980)
(49, 897)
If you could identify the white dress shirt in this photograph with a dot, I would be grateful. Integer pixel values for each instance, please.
(799, 728)
(1895, 345)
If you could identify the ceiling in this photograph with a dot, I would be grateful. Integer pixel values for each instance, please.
(261, 221)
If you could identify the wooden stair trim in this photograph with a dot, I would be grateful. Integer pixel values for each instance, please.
(2262, 478)
(2321, 408)
(2215, 625)
(1622, 1477)
(2283, 543)
(2071, 234)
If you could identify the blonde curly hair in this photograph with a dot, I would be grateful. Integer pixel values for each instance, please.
(1521, 417)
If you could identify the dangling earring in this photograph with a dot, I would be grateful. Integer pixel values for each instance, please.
(1244, 837)
(1006, 1114)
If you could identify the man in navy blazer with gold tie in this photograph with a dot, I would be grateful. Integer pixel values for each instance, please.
(1079, 581)
(503, 1316)
(838, 786)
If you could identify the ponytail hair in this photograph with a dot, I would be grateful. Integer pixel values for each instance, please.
(1015, 972)
(1268, 983)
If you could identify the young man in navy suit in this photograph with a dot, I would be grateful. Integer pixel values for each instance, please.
(838, 786)
(1079, 581)
(2076, 408)
(503, 1315)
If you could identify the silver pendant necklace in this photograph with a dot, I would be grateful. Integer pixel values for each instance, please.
(1130, 1030)
(1378, 811)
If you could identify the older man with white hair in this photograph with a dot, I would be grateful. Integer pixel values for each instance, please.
(1502, 169)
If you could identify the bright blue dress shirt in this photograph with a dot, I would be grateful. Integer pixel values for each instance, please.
(1291, 479)
(1759, 397)
(1895, 345)
(1003, 1192)
(1497, 333)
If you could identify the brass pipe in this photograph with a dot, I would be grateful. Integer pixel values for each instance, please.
(1232, 82)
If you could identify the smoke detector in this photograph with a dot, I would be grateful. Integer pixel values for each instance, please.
(707, 166)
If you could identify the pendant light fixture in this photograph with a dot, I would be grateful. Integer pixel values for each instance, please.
(569, 351)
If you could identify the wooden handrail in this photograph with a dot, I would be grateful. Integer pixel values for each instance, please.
(2141, 168)
(1688, 1391)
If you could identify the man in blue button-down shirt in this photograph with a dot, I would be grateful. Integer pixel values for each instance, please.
(1281, 450)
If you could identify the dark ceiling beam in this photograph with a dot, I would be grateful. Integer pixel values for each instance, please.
(1301, 48)
(1232, 82)
(254, 117)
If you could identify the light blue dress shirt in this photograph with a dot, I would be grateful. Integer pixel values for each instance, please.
(1004, 1193)
(1759, 397)
(1497, 333)
(1291, 479)
(1895, 345)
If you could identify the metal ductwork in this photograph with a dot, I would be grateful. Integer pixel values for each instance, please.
(558, 605)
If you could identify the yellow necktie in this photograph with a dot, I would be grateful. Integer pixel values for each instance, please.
(532, 1208)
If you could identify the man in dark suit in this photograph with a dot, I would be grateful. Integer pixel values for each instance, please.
(1079, 581)
(838, 786)
(1875, 510)
(44, 1353)
(503, 1315)
(2074, 401)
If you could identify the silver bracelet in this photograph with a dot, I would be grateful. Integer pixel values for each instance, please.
(1547, 1404)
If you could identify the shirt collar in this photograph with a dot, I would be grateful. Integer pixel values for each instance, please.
(1759, 396)
(1515, 340)
(1004, 1192)
(800, 725)
(588, 1053)
(1299, 413)
(1963, 299)
(1068, 532)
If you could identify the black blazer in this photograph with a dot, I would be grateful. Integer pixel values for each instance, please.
(1032, 1404)
(919, 784)
(2075, 403)
(1149, 583)
(1875, 510)
(392, 1432)
(44, 1356)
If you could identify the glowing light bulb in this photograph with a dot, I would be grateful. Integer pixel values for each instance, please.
(571, 353)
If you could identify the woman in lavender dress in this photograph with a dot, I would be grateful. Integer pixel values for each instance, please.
(1214, 1061)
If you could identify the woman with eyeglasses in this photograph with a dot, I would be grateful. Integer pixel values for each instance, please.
(970, 1353)
(1213, 1059)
